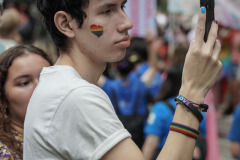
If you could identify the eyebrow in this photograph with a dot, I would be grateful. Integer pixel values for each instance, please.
(22, 76)
(107, 5)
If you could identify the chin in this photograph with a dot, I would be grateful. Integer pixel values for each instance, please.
(118, 56)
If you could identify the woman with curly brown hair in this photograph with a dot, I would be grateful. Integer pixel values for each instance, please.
(20, 68)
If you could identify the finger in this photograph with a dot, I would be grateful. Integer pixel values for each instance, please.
(200, 29)
(212, 36)
(216, 50)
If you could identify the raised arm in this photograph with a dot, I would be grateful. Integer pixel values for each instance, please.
(153, 45)
(200, 72)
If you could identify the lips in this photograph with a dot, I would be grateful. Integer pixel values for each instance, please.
(124, 42)
(126, 38)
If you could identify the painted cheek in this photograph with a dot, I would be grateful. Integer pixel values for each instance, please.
(97, 30)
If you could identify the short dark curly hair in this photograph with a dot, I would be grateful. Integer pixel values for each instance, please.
(49, 8)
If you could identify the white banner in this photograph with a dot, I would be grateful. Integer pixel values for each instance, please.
(183, 6)
(142, 14)
(227, 12)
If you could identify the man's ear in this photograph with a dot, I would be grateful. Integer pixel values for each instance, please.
(63, 22)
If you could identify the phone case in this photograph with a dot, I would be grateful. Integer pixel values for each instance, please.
(209, 5)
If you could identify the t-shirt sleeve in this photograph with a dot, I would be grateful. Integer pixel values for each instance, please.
(234, 134)
(156, 120)
(85, 125)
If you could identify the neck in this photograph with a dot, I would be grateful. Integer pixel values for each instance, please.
(90, 72)
(17, 127)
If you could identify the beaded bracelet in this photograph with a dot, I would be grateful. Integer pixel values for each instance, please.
(182, 100)
(188, 131)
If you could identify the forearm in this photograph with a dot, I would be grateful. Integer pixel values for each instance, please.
(150, 146)
(178, 143)
(148, 153)
(148, 76)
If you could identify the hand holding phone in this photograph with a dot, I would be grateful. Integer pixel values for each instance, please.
(209, 5)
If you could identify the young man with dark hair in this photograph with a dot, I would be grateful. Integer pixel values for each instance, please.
(69, 117)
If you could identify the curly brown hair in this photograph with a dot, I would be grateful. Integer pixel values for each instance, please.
(6, 60)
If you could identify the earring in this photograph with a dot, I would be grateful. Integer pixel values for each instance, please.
(5, 110)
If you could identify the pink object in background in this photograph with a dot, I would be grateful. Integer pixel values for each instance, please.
(212, 133)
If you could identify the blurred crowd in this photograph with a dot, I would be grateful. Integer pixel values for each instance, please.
(142, 86)
(22, 23)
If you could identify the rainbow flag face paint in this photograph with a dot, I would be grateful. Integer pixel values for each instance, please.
(97, 30)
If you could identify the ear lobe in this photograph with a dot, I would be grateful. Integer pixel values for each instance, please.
(62, 22)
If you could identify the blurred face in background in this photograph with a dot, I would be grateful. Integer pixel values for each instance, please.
(23, 76)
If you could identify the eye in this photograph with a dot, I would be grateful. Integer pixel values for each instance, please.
(107, 11)
(123, 6)
(23, 84)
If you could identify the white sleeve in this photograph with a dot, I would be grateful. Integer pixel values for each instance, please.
(85, 125)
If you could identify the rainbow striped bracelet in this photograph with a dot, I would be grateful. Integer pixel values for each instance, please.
(188, 131)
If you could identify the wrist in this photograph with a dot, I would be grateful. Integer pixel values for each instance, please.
(195, 109)
(195, 96)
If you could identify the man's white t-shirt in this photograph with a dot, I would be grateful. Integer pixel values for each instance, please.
(69, 118)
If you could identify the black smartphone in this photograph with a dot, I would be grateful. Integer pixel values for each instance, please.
(209, 5)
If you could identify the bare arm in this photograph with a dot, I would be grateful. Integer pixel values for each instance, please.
(201, 70)
(150, 146)
(153, 45)
(125, 150)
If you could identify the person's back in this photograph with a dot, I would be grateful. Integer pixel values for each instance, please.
(129, 98)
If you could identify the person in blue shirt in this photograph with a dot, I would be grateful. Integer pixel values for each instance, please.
(129, 96)
(143, 51)
(234, 134)
(162, 113)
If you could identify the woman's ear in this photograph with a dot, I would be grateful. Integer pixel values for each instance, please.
(63, 22)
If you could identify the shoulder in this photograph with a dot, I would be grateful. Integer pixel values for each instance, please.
(162, 107)
(87, 116)
(87, 93)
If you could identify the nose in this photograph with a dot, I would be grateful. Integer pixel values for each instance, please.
(125, 23)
